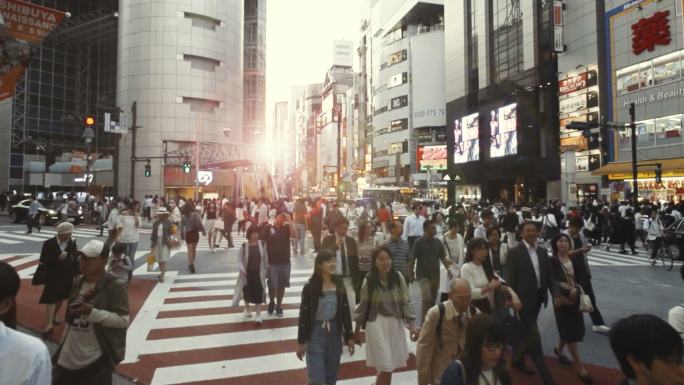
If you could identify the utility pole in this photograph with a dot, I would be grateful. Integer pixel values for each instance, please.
(632, 125)
(134, 126)
(339, 154)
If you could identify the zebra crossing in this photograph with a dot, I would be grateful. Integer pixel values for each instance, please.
(15, 237)
(186, 332)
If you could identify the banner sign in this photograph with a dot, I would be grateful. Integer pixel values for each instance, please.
(23, 26)
(433, 157)
(578, 82)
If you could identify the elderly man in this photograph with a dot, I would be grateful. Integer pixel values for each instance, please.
(95, 339)
(56, 271)
(442, 336)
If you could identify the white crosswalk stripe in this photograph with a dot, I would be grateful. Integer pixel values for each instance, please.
(184, 334)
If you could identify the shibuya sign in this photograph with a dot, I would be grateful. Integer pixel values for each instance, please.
(205, 177)
(655, 97)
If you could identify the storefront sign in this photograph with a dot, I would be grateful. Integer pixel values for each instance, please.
(395, 148)
(85, 178)
(558, 39)
(588, 162)
(651, 31)
(432, 157)
(591, 117)
(578, 82)
(655, 97)
(576, 143)
(645, 175)
(205, 177)
(579, 102)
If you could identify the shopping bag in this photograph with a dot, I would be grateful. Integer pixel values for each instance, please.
(219, 224)
(150, 261)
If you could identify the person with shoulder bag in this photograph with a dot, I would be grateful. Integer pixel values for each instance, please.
(56, 271)
(94, 341)
(325, 324)
(251, 283)
(569, 318)
(191, 226)
(483, 360)
(162, 238)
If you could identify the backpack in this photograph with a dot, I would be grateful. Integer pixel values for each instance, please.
(438, 329)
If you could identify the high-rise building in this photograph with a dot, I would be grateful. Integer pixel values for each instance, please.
(501, 86)
(282, 139)
(401, 57)
(254, 102)
(184, 71)
(312, 110)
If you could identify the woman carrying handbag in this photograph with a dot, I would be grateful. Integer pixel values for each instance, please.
(163, 239)
(569, 317)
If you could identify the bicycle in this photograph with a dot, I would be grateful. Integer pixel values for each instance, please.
(665, 256)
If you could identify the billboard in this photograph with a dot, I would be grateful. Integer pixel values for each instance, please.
(467, 138)
(23, 26)
(432, 157)
(503, 128)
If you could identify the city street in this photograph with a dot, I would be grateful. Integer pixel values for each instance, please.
(184, 330)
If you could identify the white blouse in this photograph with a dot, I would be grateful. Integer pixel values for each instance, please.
(475, 275)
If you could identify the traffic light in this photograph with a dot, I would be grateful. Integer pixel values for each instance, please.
(187, 167)
(658, 174)
(89, 120)
(148, 169)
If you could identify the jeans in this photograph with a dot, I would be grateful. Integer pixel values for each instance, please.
(96, 373)
(323, 353)
(528, 341)
(301, 236)
(129, 250)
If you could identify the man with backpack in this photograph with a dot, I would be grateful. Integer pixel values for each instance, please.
(442, 336)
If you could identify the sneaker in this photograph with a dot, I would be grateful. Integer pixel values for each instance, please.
(279, 312)
(257, 322)
(271, 306)
(248, 314)
(603, 329)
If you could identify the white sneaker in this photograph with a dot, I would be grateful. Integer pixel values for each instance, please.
(601, 329)
(248, 314)
(257, 322)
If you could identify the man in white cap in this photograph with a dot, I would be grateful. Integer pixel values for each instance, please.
(95, 338)
(57, 270)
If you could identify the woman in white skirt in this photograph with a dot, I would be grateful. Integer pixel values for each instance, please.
(384, 310)
(162, 230)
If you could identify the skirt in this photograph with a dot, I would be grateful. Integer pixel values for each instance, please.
(253, 292)
(570, 323)
(162, 253)
(386, 347)
(192, 236)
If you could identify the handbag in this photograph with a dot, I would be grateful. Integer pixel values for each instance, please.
(585, 305)
(40, 276)
(173, 242)
(150, 262)
(219, 224)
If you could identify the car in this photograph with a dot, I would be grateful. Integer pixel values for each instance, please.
(48, 213)
(673, 238)
(400, 212)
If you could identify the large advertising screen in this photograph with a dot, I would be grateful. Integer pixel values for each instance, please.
(432, 157)
(466, 138)
(503, 131)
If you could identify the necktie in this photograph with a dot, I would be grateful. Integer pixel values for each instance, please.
(459, 319)
(343, 253)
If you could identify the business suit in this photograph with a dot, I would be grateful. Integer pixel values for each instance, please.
(533, 293)
(352, 280)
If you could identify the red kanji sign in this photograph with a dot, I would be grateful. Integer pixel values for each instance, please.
(651, 31)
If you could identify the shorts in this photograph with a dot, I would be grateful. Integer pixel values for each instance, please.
(279, 276)
(210, 225)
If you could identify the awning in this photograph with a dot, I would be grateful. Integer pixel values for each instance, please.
(646, 168)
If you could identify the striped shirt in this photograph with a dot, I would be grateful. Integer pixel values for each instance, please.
(400, 252)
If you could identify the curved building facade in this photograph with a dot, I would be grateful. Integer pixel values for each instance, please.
(181, 63)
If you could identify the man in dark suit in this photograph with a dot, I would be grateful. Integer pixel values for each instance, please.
(347, 253)
(529, 274)
(649, 351)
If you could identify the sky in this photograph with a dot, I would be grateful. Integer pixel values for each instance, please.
(299, 41)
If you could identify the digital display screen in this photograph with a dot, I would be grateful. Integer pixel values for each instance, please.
(432, 157)
(503, 128)
(466, 138)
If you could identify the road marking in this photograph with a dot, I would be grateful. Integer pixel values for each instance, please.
(215, 319)
(23, 260)
(215, 304)
(25, 237)
(146, 318)
(217, 292)
(36, 235)
(9, 242)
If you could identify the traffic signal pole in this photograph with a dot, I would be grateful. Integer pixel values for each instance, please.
(134, 125)
(632, 126)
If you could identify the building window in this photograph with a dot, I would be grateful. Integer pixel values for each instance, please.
(507, 39)
(203, 21)
(654, 132)
(649, 73)
(201, 104)
(201, 62)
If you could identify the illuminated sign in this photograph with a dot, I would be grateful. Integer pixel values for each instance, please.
(467, 138)
(432, 157)
(85, 178)
(395, 148)
(578, 82)
(579, 102)
(205, 177)
(651, 31)
(397, 80)
(503, 126)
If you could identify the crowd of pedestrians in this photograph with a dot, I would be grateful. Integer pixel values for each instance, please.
(495, 266)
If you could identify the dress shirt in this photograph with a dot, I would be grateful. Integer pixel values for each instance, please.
(23, 359)
(532, 250)
(413, 226)
(339, 268)
(480, 232)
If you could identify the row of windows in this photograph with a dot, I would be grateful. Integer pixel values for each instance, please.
(650, 73)
(654, 132)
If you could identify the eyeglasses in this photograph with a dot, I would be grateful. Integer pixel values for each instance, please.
(492, 346)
